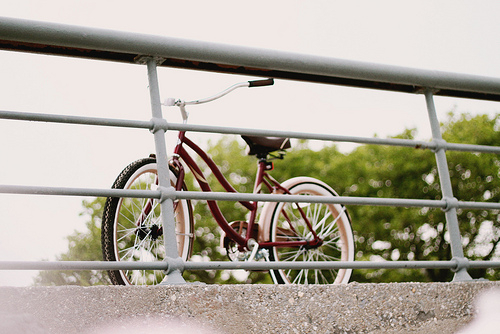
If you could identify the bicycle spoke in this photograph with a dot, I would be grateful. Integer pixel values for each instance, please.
(306, 276)
(294, 255)
(325, 257)
(126, 217)
(322, 276)
(316, 212)
(333, 225)
(149, 249)
(332, 246)
(298, 277)
(309, 235)
(129, 231)
(135, 246)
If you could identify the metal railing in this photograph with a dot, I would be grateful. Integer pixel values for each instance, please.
(154, 51)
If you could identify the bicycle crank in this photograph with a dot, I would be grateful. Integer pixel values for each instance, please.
(234, 253)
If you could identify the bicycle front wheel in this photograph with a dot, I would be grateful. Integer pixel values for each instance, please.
(329, 221)
(132, 228)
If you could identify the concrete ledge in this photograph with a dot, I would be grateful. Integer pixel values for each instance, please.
(353, 308)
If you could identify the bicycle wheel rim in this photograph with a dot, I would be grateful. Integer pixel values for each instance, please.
(130, 243)
(330, 222)
(136, 224)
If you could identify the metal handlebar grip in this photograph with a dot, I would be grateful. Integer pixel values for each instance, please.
(260, 83)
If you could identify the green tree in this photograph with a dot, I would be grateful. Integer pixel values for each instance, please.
(381, 233)
(82, 246)
(385, 233)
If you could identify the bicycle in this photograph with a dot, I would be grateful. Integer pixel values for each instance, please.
(132, 229)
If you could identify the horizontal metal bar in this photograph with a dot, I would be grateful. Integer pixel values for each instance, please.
(318, 265)
(67, 40)
(81, 265)
(40, 117)
(220, 265)
(478, 205)
(39, 190)
(301, 135)
(344, 200)
(63, 191)
(215, 265)
(334, 138)
(25, 116)
(471, 148)
(67, 119)
(224, 196)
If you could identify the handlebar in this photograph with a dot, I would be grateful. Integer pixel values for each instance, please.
(254, 83)
(261, 83)
(183, 104)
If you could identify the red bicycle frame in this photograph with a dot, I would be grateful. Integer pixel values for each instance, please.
(262, 177)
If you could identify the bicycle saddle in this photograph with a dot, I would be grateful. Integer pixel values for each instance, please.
(264, 145)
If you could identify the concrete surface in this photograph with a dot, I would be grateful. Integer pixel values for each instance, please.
(353, 308)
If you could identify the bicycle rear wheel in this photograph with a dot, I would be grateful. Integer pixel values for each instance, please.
(132, 228)
(329, 221)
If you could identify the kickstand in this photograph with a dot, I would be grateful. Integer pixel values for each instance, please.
(255, 249)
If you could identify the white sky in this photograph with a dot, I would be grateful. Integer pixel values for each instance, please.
(455, 36)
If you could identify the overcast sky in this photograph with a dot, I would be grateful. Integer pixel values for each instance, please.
(454, 36)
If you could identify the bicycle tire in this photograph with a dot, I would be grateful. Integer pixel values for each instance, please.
(330, 221)
(123, 240)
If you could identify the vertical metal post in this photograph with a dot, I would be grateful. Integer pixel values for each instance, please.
(174, 275)
(447, 192)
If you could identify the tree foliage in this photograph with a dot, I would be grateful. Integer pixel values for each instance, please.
(82, 246)
(381, 233)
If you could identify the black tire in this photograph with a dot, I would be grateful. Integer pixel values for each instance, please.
(121, 237)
